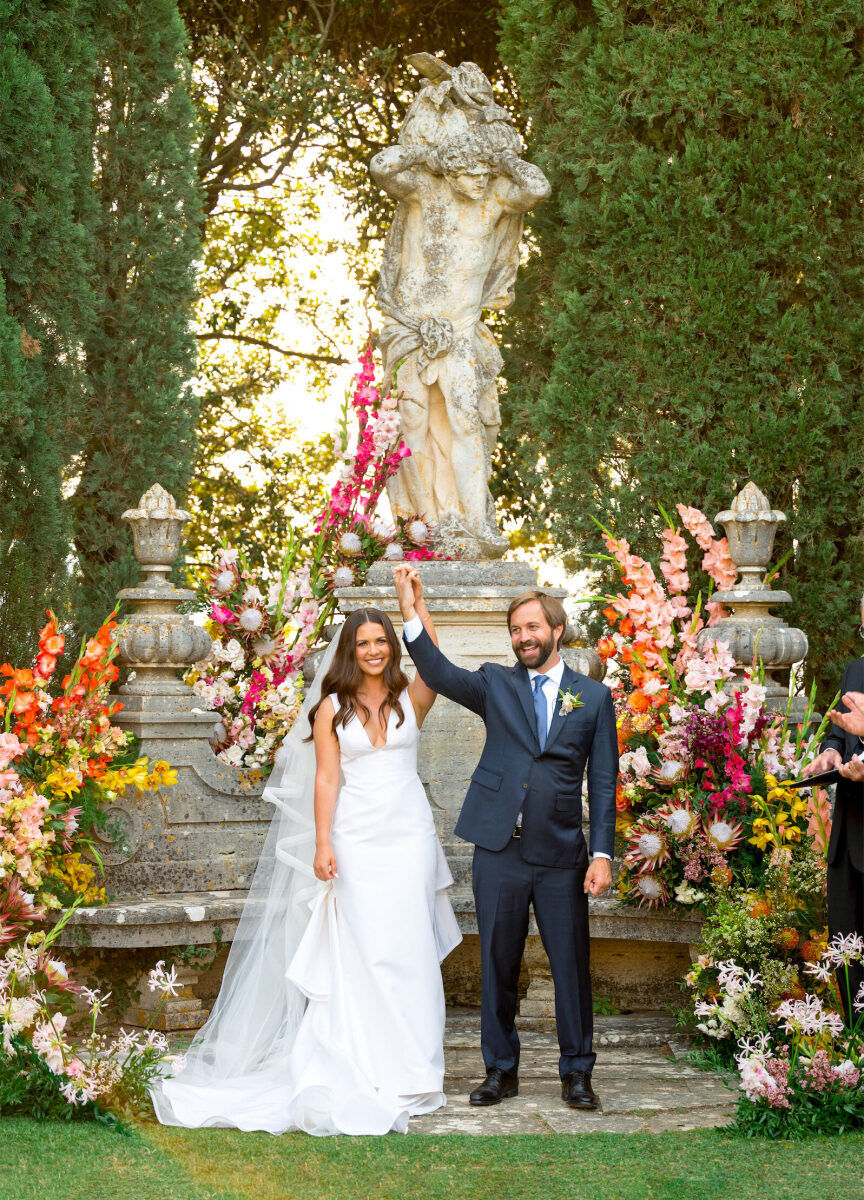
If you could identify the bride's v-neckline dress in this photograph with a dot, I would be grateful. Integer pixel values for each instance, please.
(368, 1053)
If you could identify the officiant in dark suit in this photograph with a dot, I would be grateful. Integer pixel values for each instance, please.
(546, 727)
(843, 750)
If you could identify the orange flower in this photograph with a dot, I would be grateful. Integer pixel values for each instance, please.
(787, 939)
(760, 909)
(606, 648)
(638, 702)
(50, 641)
(20, 678)
(611, 615)
(626, 627)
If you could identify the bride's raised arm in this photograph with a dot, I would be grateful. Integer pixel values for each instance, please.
(409, 589)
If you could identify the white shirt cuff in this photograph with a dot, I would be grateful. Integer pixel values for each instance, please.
(600, 854)
(412, 629)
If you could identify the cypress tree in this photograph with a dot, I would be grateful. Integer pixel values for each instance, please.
(691, 318)
(140, 422)
(46, 81)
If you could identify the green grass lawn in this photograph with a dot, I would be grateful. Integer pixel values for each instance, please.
(55, 1161)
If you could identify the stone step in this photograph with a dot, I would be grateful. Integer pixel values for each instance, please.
(627, 1031)
(608, 918)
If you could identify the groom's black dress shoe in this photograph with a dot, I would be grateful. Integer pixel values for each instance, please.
(577, 1092)
(497, 1086)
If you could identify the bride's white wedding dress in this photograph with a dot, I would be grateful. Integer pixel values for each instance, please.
(367, 1053)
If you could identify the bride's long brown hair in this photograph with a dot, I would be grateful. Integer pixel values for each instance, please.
(345, 676)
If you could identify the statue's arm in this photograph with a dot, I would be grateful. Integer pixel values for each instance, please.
(396, 170)
(525, 185)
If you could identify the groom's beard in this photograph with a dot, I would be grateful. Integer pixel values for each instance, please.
(537, 655)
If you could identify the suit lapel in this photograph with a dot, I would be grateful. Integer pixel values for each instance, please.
(557, 721)
(526, 698)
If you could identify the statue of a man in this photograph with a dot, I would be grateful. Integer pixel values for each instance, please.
(452, 251)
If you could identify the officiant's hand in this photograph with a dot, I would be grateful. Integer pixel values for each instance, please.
(598, 877)
(853, 720)
(853, 769)
(828, 760)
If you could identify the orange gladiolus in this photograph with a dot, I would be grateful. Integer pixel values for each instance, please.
(606, 648)
(611, 615)
(626, 627)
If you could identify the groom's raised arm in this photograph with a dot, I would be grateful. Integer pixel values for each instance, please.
(467, 688)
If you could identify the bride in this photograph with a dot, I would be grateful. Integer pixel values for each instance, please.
(330, 1018)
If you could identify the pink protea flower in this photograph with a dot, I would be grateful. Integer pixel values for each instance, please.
(724, 836)
(251, 619)
(651, 889)
(648, 847)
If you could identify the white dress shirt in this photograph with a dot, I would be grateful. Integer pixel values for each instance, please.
(413, 628)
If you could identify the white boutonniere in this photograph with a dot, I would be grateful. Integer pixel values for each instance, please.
(569, 701)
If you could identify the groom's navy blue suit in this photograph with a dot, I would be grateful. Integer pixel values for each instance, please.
(546, 864)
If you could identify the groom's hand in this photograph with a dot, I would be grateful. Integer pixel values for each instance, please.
(405, 590)
(598, 877)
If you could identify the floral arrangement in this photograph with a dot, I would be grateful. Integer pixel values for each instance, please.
(44, 1071)
(264, 624)
(703, 796)
(801, 1066)
(62, 762)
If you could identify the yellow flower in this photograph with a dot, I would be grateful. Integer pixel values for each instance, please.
(63, 779)
(162, 775)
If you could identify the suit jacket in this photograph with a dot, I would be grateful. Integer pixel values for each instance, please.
(849, 803)
(513, 774)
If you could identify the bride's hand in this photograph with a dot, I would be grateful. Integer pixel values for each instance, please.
(404, 587)
(324, 865)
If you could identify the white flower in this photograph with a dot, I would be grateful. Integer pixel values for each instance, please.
(418, 531)
(233, 756)
(228, 557)
(380, 529)
(652, 687)
(164, 981)
(685, 893)
(721, 833)
(650, 845)
(681, 823)
(21, 1013)
(394, 552)
(672, 769)
(351, 542)
(253, 595)
(224, 582)
(343, 577)
(251, 619)
(649, 887)
(641, 764)
(178, 1064)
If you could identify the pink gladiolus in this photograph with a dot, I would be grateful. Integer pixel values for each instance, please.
(719, 565)
(10, 748)
(697, 525)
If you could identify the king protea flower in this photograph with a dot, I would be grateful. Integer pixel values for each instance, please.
(647, 847)
(651, 890)
(724, 835)
(670, 772)
(679, 820)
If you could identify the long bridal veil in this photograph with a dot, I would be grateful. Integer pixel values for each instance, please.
(237, 1063)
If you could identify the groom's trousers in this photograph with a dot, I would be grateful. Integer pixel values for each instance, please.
(505, 886)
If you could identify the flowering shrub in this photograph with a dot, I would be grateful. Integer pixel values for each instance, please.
(44, 1070)
(701, 796)
(61, 764)
(802, 1069)
(263, 631)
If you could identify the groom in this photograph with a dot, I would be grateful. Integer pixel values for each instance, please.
(523, 812)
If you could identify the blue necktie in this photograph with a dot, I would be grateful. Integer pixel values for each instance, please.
(540, 708)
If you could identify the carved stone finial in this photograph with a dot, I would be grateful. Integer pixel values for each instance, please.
(751, 632)
(155, 638)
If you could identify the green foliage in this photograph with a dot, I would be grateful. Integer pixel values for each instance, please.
(29, 1088)
(810, 1114)
(691, 316)
(46, 68)
(138, 426)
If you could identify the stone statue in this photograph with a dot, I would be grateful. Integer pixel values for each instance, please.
(451, 252)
